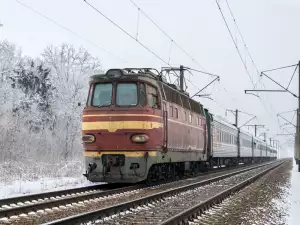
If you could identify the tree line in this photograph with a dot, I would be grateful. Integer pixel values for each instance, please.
(40, 120)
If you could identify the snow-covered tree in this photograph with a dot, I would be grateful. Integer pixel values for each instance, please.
(70, 70)
(40, 132)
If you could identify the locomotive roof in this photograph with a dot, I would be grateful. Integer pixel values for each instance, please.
(134, 73)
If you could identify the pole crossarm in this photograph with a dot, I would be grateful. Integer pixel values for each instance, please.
(262, 73)
(289, 122)
(264, 90)
(279, 68)
(248, 121)
(254, 125)
(200, 71)
(217, 78)
(285, 135)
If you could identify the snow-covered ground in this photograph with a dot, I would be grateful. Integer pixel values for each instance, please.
(16, 188)
(294, 197)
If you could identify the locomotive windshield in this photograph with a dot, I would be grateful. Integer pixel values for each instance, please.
(127, 94)
(121, 94)
(102, 95)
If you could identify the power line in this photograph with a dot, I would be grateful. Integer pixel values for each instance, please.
(240, 55)
(241, 36)
(219, 7)
(175, 43)
(167, 35)
(128, 34)
(148, 49)
(124, 31)
(69, 30)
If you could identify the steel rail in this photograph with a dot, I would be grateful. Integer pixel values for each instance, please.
(70, 191)
(191, 213)
(42, 195)
(108, 211)
(8, 212)
(28, 203)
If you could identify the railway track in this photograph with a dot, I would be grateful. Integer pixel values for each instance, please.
(27, 203)
(11, 202)
(175, 206)
(149, 205)
(46, 207)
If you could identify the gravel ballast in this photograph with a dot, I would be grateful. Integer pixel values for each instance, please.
(263, 202)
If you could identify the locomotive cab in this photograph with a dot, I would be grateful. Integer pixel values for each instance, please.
(121, 126)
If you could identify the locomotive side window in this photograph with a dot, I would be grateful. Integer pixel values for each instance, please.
(143, 96)
(102, 95)
(126, 94)
(152, 96)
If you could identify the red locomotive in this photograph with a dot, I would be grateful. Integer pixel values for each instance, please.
(138, 127)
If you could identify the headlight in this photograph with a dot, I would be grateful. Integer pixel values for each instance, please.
(89, 138)
(140, 138)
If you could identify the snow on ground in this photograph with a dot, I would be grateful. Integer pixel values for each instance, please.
(18, 187)
(294, 197)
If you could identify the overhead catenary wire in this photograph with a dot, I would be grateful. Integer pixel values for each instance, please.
(70, 31)
(128, 34)
(240, 33)
(167, 35)
(240, 55)
(235, 44)
(175, 43)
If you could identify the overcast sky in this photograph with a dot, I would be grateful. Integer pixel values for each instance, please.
(269, 27)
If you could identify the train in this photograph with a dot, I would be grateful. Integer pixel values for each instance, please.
(137, 127)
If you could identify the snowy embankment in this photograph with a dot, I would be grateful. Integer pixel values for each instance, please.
(18, 187)
(294, 197)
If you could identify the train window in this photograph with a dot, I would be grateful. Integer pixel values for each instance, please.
(152, 97)
(171, 111)
(185, 116)
(176, 113)
(102, 95)
(143, 97)
(126, 94)
(198, 121)
(190, 118)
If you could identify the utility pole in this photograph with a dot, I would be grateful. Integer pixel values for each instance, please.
(286, 89)
(255, 127)
(236, 117)
(297, 141)
(181, 78)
